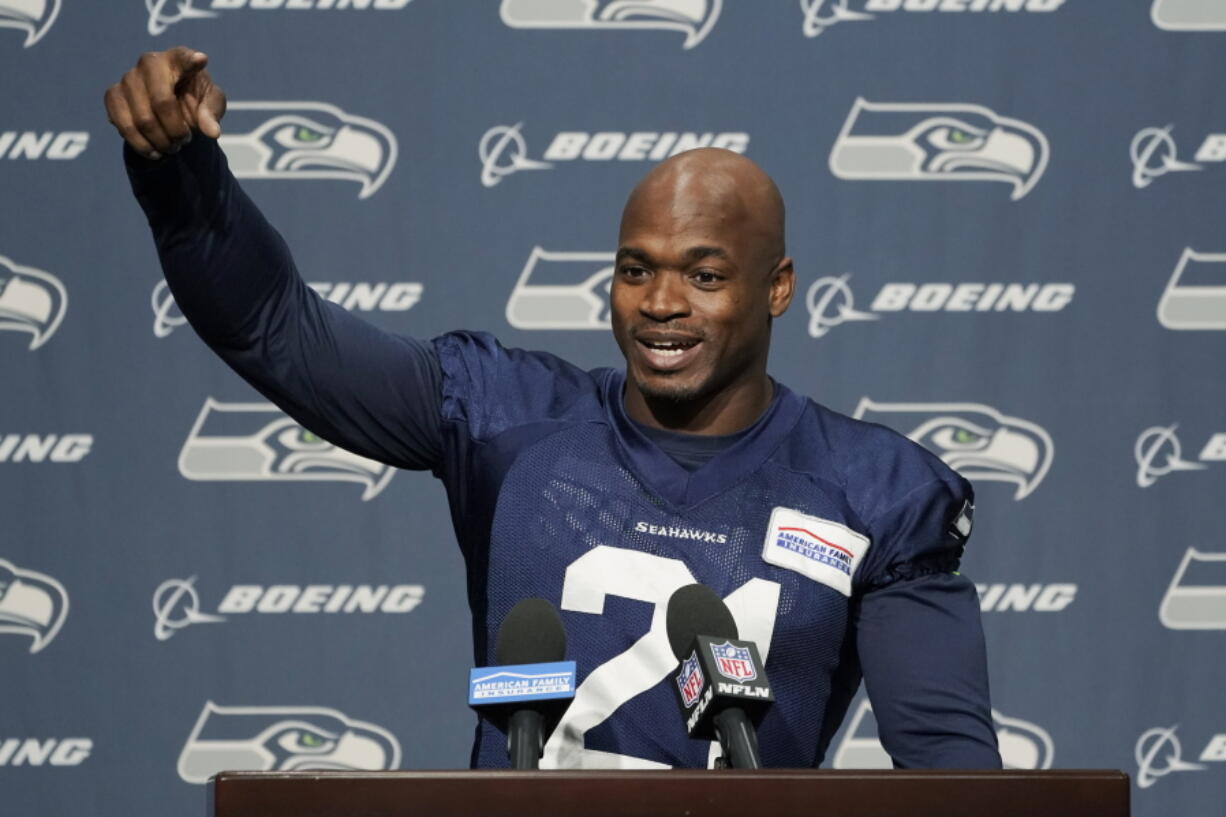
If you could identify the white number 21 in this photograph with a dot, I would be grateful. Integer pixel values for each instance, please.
(609, 571)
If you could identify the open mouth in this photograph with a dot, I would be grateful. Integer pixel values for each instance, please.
(668, 353)
(670, 349)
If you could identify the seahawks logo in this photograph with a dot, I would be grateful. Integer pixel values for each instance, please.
(257, 442)
(562, 290)
(307, 140)
(1189, 15)
(283, 738)
(1195, 296)
(31, 301)
(1196, 597)
(928, 142)
(975, 440)
(31, 604)
(693, 18)
(34, 17)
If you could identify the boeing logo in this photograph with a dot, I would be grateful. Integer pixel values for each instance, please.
(355, 296)
(693, 18)
(176, 604)
(1159, 753)
(820, 15)
(503, 151)
(165, 13)
(31, 145)
(1022, 598)
(40, 448)
(831, 302)
(49, 752)
(1158, 452)
(1152, 152)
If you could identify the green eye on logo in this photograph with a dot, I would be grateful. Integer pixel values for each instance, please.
(959, 136)
(963, 436)
(311, 741)
(308, 437)
(305, 134)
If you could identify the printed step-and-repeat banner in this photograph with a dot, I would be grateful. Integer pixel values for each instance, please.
(1007, 221)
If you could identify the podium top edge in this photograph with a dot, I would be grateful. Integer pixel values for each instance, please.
(697, 774)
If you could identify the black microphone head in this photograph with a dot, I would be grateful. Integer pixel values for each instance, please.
(532, 633)
(695, 610)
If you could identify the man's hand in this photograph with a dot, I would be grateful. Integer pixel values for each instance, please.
(162, 99)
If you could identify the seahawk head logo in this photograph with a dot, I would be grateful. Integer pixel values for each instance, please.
(975, 440)
(926, 142)
(34, 17)
(283, 738)
(562, 290)
(307, 140)
(1189, 15)
(694, 18)
(31, 301)
(31, 604)
(1023, 745)
(242, 442)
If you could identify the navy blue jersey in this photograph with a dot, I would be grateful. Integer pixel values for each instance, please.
(834, 542)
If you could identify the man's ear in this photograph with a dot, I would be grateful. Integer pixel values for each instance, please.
(783, 285)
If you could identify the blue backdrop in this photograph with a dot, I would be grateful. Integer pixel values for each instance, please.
(1007, 222)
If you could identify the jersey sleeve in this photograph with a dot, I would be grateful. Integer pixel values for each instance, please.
(921, 532)
(369, 391)
(918, 631)
(488, 389)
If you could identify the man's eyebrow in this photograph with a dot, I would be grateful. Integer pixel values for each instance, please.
(696, 253)
(634, 253)
(700, 252)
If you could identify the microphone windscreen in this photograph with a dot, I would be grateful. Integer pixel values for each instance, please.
(696, 610)
(532, 633)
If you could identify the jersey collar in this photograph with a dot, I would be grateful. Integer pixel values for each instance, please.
(680, 488)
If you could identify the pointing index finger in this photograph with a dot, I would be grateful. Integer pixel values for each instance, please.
(186, 61)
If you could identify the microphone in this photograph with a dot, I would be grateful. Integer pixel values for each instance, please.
(526, 693)
(721, 682)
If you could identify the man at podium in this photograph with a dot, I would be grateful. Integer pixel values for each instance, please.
(834, 543)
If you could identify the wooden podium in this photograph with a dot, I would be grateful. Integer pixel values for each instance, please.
(719, 793)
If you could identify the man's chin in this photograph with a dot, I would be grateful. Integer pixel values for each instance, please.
(656, 388)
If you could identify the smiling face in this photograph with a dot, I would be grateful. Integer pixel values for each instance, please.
(700, 273)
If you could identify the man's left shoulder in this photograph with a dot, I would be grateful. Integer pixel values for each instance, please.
(876, 465)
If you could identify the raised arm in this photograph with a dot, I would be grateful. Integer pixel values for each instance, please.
(372, 392)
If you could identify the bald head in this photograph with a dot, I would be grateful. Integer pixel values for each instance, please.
(717, 185)
(700, 273)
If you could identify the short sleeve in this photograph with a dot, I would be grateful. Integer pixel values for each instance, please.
(921, 533)
(488, 388)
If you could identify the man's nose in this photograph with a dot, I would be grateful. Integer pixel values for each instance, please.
(665, 298)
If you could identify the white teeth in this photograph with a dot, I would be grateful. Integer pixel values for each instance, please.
(667, 352)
